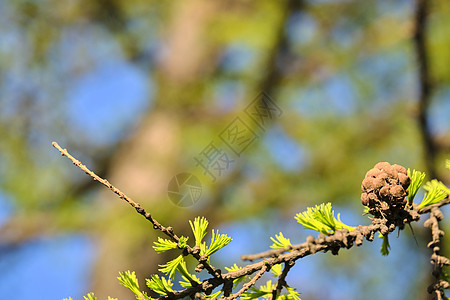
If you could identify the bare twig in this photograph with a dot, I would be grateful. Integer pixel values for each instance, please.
(156, 225)
(282, 279)
(269, 253)
(248, 284)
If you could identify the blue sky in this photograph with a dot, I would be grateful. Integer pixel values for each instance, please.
(47, 268)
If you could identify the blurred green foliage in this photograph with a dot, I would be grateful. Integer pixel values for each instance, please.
(343, 72)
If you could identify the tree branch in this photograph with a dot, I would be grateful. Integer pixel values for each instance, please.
(156, 225)
(340, 239)
(248, 284)
(438, 261)
(282, 279)
(441, 203)
(323, 243)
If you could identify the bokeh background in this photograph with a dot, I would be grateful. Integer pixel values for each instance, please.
(137, 89)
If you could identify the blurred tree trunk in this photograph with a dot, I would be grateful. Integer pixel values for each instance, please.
(144, 164)
(147, 161)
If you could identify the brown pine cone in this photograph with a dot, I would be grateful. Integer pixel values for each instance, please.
(384, 188)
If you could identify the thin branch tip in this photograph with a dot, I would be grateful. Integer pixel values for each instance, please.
(139, 209)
